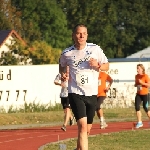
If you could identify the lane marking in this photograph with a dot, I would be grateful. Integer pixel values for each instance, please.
(31, 137)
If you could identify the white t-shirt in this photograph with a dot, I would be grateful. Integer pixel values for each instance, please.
(64, 90)
(83, 79)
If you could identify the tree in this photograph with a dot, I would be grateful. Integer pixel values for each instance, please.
(120, 27)
(36, 53)
(43, 20)
(4, 22)
(141, 12)
(9, 18)
(18, 54)
(99, 16)
(42, 53)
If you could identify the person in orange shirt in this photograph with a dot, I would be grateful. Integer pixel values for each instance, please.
(142, 82)
(103, 87)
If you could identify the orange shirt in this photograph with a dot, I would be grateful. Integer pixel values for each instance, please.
(103, 78)
(141, 89)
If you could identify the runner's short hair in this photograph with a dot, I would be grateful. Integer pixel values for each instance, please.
(78, 25)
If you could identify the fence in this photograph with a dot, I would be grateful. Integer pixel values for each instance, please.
(35, 84)
(30, 84)
(123, 71)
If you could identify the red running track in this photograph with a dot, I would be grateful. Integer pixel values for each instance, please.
(33, 138)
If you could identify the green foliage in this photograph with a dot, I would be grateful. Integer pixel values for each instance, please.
(42, 53)
(43, 20)
(34, 107)
(37, 107)
(4, 24)
(18, 54)
(119, 27)
(37, 53)
(9, 17)
(8, 59)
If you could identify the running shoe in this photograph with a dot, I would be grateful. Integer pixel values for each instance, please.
(103, 125)
(138, 125)
(71, 121)
(63, 128)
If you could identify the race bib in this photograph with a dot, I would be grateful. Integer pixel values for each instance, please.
(84, 78)
(139, 87)
(99, 82)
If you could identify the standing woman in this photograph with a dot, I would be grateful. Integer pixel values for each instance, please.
(142, 82)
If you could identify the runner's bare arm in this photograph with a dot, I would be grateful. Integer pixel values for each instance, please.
(104, 67)
(57, 83)
(64, 71)
(61, 69)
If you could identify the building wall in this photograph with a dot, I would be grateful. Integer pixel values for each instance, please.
(35, 84)
(4, 47)
(122, 92)
(20, 84)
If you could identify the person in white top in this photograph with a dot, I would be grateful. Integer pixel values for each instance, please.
(85, 60)
(64, 101)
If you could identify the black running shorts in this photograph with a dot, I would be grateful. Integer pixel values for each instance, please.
(83, 106)
(65, 102)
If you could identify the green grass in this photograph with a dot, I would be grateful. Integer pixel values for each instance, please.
(31, 118)
(131, 140)
(55, 115)
(36, 114)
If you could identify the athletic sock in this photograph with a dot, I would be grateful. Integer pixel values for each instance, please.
(101, 119)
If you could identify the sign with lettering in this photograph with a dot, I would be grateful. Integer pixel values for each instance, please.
(35, 83)
(122, 92)
(19, 84)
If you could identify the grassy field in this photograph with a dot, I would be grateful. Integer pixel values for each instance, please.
(131, 140)
(119, 114)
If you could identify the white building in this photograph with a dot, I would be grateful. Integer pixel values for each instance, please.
(145, 53)
(7, 37)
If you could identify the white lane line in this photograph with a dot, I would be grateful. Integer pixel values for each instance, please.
(42, 135)
(31, 137)
(5, 136)
(12, 140)
(27, 133)
(18, 134)
(24, 139)
(20, 139)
